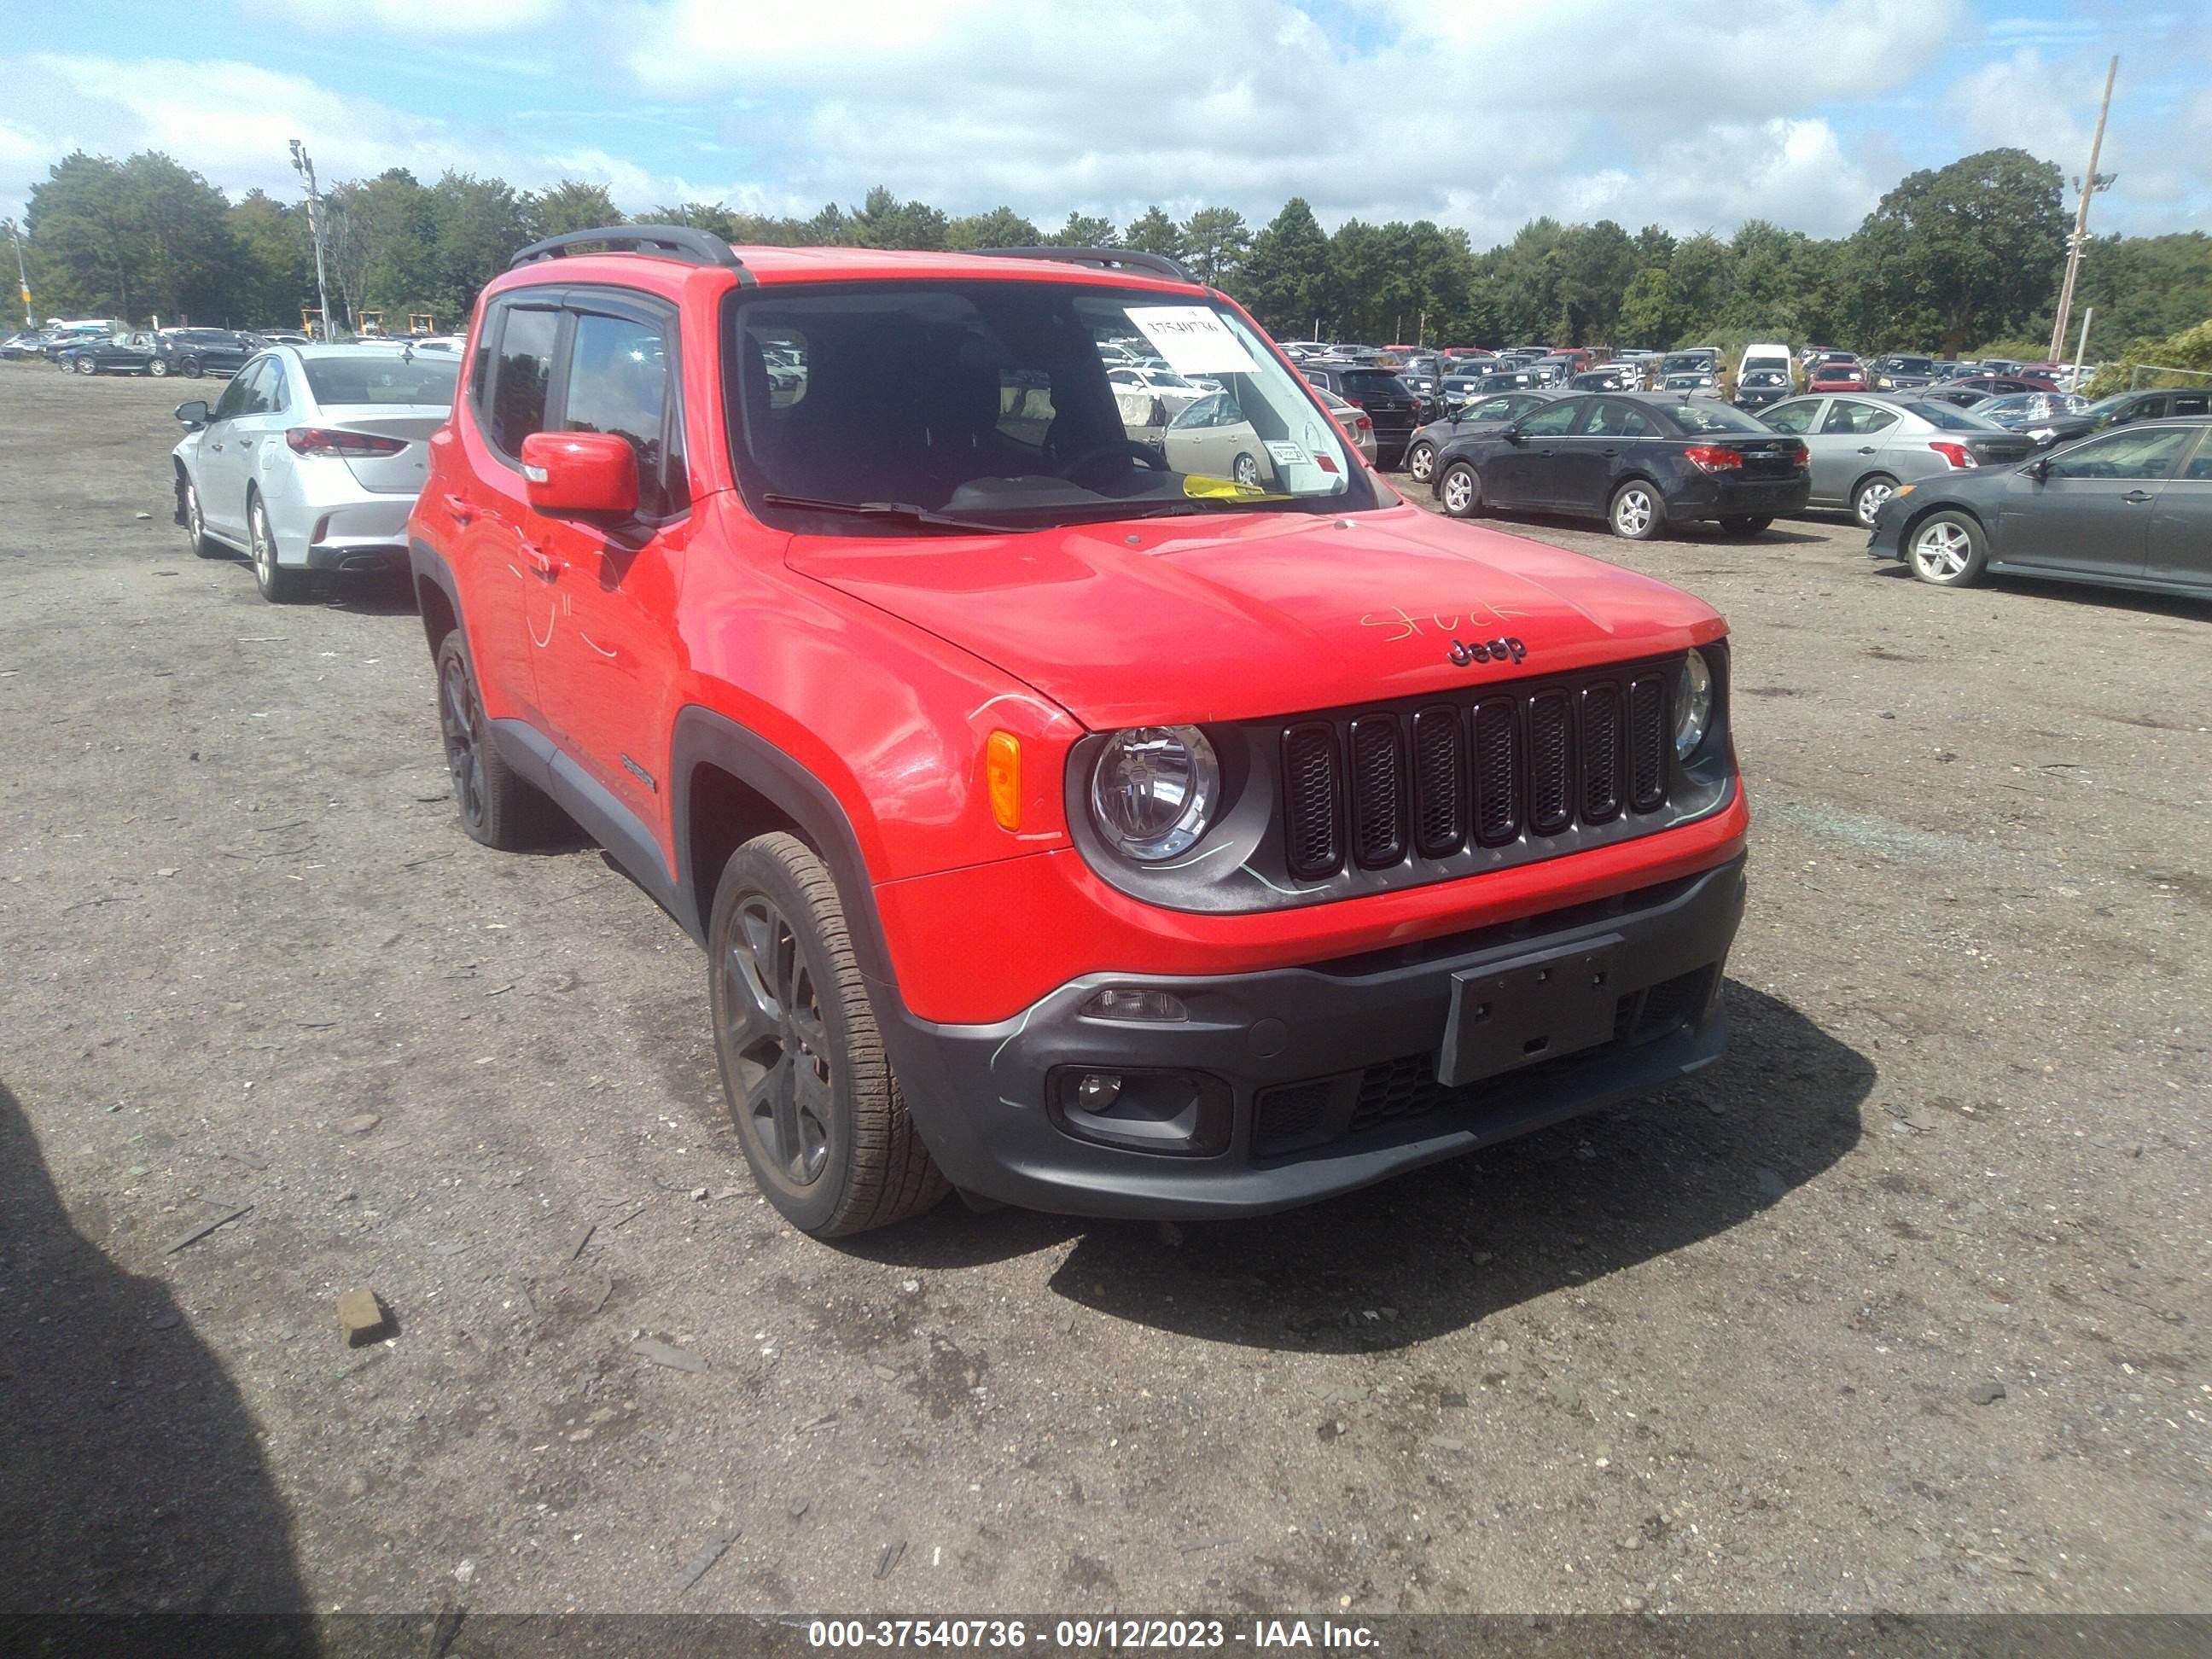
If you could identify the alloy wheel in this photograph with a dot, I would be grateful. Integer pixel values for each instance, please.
(1941, 550)
(265, 549)
(1245, 471)
(1421, 462)
(1459, 491)
(195, 525)
(777, 1037)
(1631, 514)
(458, 723)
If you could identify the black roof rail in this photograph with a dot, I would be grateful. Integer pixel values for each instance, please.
(1108, 259)
(682, 242)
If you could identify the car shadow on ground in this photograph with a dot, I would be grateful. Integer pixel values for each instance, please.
(1689, 529)
(131, 1474)
(1441, 1250)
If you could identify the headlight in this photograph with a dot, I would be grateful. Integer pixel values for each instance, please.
(1155, 789)
(1693, 704)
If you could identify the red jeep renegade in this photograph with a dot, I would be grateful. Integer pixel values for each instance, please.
(1172, 825)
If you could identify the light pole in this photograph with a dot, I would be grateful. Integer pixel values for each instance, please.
(304, 165)
(2090, 182)
(22, 275)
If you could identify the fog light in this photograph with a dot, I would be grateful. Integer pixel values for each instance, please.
(1127, 1002)
(1098, 1090)
(1183, 1113)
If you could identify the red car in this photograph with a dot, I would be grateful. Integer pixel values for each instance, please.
(1836, 377)
(1062, 828)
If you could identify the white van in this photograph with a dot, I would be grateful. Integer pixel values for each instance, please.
(1767, 355)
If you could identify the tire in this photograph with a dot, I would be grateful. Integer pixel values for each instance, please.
(1948, 550)
(1459, 490)
(816, 1110)
(1867, 499)
(1421, 462)
(194, 369)
(1745, 525)
(195, 536)
(497, 806)
(278, 586)
(1637, 513)
(159, 369)
(86, 366)
(1245, 470)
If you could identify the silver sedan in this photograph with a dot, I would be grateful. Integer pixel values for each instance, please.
(1863, 447)
(312, 459)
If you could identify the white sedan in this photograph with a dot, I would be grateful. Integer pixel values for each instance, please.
(312, 459)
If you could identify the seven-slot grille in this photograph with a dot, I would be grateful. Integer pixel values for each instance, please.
(1429, 780)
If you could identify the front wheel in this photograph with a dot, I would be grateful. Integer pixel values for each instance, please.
(195, 536)
(1421, 462)
(1866, 503)
(1637, 514)
(1459, 490)
(819, 1113)
(86, 366)
(194, 369)
(1948, 549)
(1744, 524)
(1245, 470)
(159, 369)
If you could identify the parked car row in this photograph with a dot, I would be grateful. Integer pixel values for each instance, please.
(103, 348)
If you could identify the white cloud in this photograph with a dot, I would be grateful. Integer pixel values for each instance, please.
(415, 22)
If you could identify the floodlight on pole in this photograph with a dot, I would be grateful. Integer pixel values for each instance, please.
(304, 165)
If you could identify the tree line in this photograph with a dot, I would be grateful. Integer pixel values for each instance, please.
(1956, 259)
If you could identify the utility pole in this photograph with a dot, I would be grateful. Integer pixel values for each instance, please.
(22, 275)
(304, 165)
(2081, 347)
(2092, 182)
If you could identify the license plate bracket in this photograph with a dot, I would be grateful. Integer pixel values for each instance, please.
(1536, 1010)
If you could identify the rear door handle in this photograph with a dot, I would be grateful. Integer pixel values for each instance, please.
(2137, 497)
(1608, 451)
(458, 508)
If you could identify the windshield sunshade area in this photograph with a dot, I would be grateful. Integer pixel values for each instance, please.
(990, 405)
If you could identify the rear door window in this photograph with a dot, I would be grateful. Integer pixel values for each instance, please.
(2189, 403)
(1852, 419)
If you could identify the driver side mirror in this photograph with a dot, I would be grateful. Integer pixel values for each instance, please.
(2038, 469)
(193, 414)
(573, 474)
(1511, 435)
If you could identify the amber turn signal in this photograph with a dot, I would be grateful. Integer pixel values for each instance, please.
(1002, 767)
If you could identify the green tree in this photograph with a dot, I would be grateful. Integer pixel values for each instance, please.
(1648, 317)
(883, 220)
(1701, 279)
(476, 225)
(571, 205)
(381, 243)
(1597, 263)
(1975, 248)
(276, 263)
(1153, 232)
(134, 239)
(1287, 279)
(1085, 230)
(1000, 227)
(1214, 243)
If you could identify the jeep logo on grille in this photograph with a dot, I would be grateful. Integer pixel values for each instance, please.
(1462, 653)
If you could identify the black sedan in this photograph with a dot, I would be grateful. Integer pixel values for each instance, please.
(1903, 374)
(196, 351)
(1500, 408)
(2125, 508)
(1637, 460)
(125, 354)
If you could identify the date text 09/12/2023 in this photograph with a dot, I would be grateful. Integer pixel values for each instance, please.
(1107, 1635)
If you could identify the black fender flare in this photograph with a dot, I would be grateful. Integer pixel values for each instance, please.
(702, 737)
(427, 564)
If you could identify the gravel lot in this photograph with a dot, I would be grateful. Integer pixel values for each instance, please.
(1732, 1349)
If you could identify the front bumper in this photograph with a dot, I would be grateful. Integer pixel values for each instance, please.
(1329, 1072)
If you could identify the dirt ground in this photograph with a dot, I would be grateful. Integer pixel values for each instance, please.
(1737, 1347)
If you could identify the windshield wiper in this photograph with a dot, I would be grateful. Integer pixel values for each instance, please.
(905, 511)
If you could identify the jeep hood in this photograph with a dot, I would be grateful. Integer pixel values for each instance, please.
(1225, 618)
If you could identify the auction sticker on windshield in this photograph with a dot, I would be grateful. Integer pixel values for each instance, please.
(1192, 339)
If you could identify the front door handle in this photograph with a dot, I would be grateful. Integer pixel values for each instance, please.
(549, 566)
(1866, 449)
(2137, 497)
(1608, 451)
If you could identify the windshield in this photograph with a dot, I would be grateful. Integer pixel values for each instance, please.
(1704, 414)
(1682, 362)
(989, 403)
(1913, 365)
(1766, 377)
(1951, 418)
(383, 379)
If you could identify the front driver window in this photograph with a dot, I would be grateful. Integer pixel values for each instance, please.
(1553, 422)
(1796, 419)
(2145, 454)
(233, 401)
(1857, 420)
